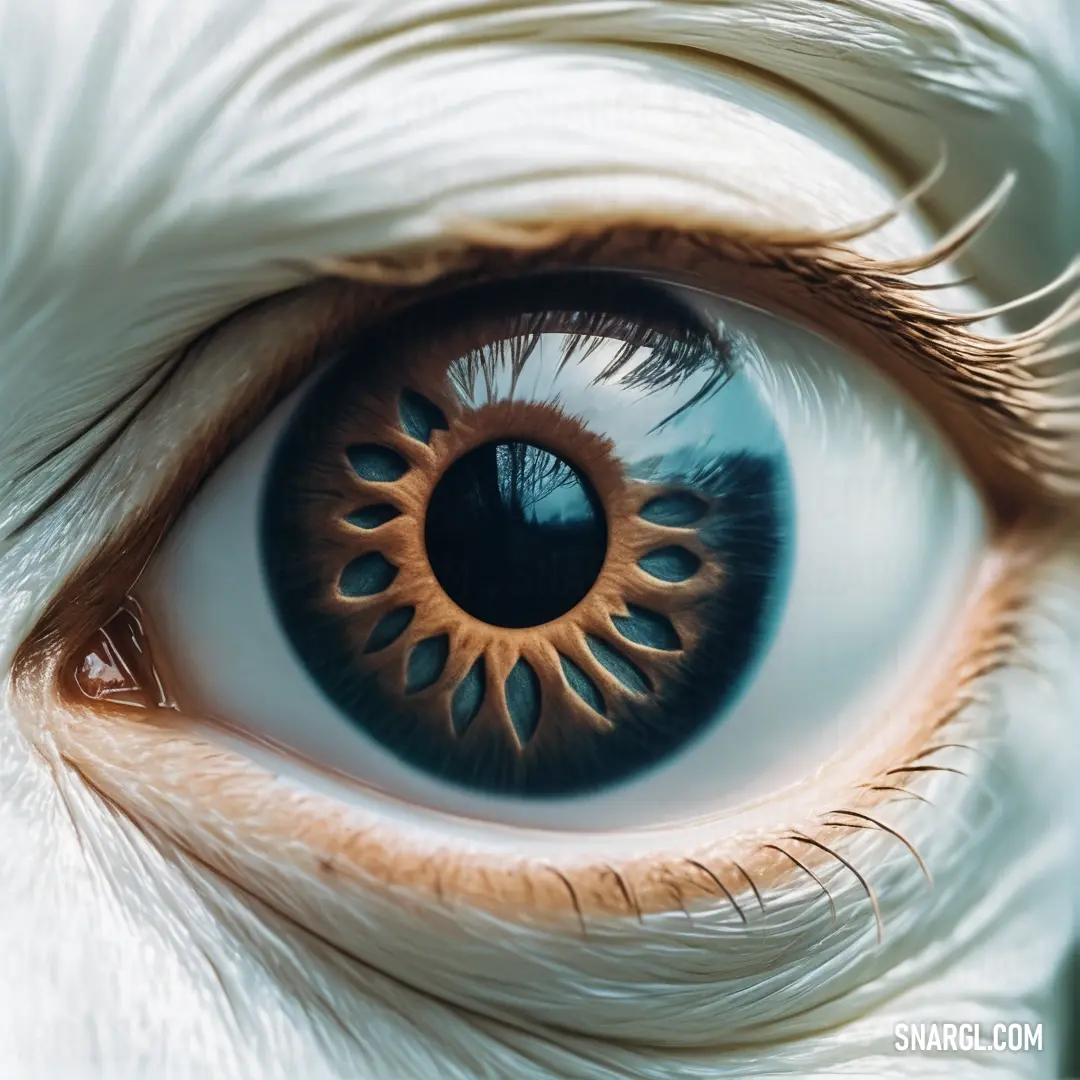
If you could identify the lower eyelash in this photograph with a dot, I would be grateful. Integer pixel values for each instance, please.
(1000, 647)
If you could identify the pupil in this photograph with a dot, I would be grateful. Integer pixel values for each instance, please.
(515, 535)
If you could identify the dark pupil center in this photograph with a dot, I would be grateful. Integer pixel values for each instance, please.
(515, 534)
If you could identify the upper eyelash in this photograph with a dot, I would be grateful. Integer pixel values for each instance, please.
(1025, 398)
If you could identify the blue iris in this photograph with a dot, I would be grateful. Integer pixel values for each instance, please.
(517, 536)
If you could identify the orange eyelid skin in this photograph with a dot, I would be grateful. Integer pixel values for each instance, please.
(968, 382)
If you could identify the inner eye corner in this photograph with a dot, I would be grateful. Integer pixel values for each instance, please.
(117, 664)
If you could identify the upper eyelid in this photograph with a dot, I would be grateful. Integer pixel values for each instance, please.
(1008, 394)
(945, 357)
(1012, 387)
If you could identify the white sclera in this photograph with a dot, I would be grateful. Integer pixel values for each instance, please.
(888, 533)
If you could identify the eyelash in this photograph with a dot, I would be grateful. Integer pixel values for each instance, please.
(1017, 394)
(1026, 403)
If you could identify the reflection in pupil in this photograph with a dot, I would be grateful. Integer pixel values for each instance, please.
(515, 535)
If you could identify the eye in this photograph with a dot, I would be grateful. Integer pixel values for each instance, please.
(580, 550)
(544, 534)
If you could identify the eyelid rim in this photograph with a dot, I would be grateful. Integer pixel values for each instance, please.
(1003, 402)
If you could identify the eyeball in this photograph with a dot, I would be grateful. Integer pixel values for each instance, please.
(569, 548)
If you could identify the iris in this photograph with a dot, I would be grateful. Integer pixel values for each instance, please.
(532, 537)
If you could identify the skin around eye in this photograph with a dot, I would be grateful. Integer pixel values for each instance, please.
(785, 538)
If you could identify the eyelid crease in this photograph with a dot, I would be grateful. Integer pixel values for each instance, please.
(124, 411)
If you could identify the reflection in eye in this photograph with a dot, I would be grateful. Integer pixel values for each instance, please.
(531, 538)
(579, 536)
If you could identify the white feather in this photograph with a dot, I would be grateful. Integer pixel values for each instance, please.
(162, 164)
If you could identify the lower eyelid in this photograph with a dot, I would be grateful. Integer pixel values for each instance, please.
(473, 913)
(406, 855)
